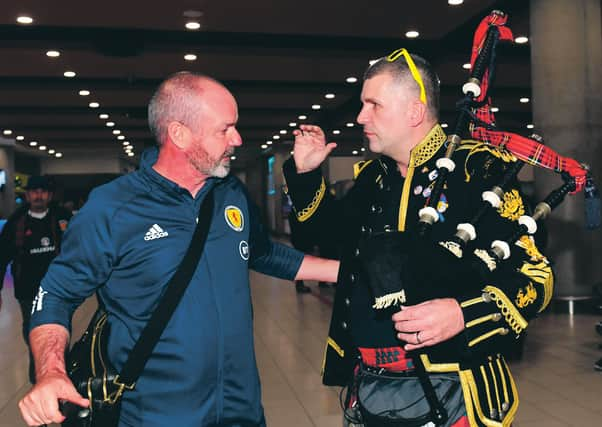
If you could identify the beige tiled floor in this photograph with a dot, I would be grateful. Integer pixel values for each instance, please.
(557, 384)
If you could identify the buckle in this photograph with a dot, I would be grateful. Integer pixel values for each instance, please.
(113, 397)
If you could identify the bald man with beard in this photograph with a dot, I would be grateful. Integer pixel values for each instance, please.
(125, 244)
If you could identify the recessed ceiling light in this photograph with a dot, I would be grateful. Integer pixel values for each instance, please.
(269, 142)
(283, 132)
(116, 131)
(494, 109)
(350, 124)
(25, 20)
(110, 124)
(412, 34)
(103, 116)
(302, 117)
(455, 2)
(58, 155)
(276, 137)
(84, 92)
(329, 96)
(363, 149)
(190, 57)
(130, 154)
(316, 107)
(192, 25)
(94, 105)
(351, 79)
(530, 126)
(524, 100)
(42, 147)
(292, 124)
(292, 152)
(69, 74)
(336, 132)
(126, 143)
(53, 53)
(33, 143)
(466, 66)
(521, 39)
(7, 132)
(51, 151)
(121, 137)
(444, 125)
(264, 146)
(20, 138)
(355, 152)
(232, 157)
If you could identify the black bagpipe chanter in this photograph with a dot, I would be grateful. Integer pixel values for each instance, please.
(427, 262)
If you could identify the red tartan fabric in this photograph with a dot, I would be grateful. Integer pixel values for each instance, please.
(525, 149)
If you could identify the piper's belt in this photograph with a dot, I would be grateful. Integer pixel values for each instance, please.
(393, 359)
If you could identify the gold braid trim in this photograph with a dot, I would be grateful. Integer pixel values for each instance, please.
(501, 331)
(479, 147)
(487, 390)
(495, 387)
(513, 317)
(359, 167)
(307, 212)
(419, 155)
(428, 147)
(474, 411)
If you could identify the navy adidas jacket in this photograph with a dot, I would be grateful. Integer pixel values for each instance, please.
(125, 244)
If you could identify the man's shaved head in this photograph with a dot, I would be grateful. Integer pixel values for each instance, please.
(180, 98)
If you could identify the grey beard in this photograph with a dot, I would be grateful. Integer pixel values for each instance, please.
(217, 170)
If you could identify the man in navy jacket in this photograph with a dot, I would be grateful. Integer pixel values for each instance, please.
(126, 243)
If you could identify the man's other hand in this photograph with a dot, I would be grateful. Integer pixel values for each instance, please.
(429, 323)
(310, 148)
(41, 405)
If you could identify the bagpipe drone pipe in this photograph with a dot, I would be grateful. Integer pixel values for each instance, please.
(411, 267)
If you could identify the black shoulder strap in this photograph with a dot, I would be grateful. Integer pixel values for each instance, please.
(176, 287)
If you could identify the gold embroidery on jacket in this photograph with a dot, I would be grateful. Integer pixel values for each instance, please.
(528, 244)
(541, 273)
(526, 297)
(512, 206)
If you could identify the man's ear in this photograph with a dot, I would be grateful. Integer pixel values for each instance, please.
(178, 134)
(416, 113)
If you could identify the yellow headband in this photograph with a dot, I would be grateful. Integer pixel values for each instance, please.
(403, 52)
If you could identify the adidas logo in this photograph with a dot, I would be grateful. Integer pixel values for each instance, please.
(155, 232)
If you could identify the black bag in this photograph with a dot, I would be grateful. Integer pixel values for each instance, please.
(94, 377)
(391, 399)
(88, 363)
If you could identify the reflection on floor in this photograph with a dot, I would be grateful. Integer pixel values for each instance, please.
(557, 384)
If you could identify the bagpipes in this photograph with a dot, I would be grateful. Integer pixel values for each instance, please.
(412, 266)
(475, 117)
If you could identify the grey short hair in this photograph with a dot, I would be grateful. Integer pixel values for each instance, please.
(400, 71)
(178, 98)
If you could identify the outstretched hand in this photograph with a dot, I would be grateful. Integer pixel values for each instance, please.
(310, 148)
